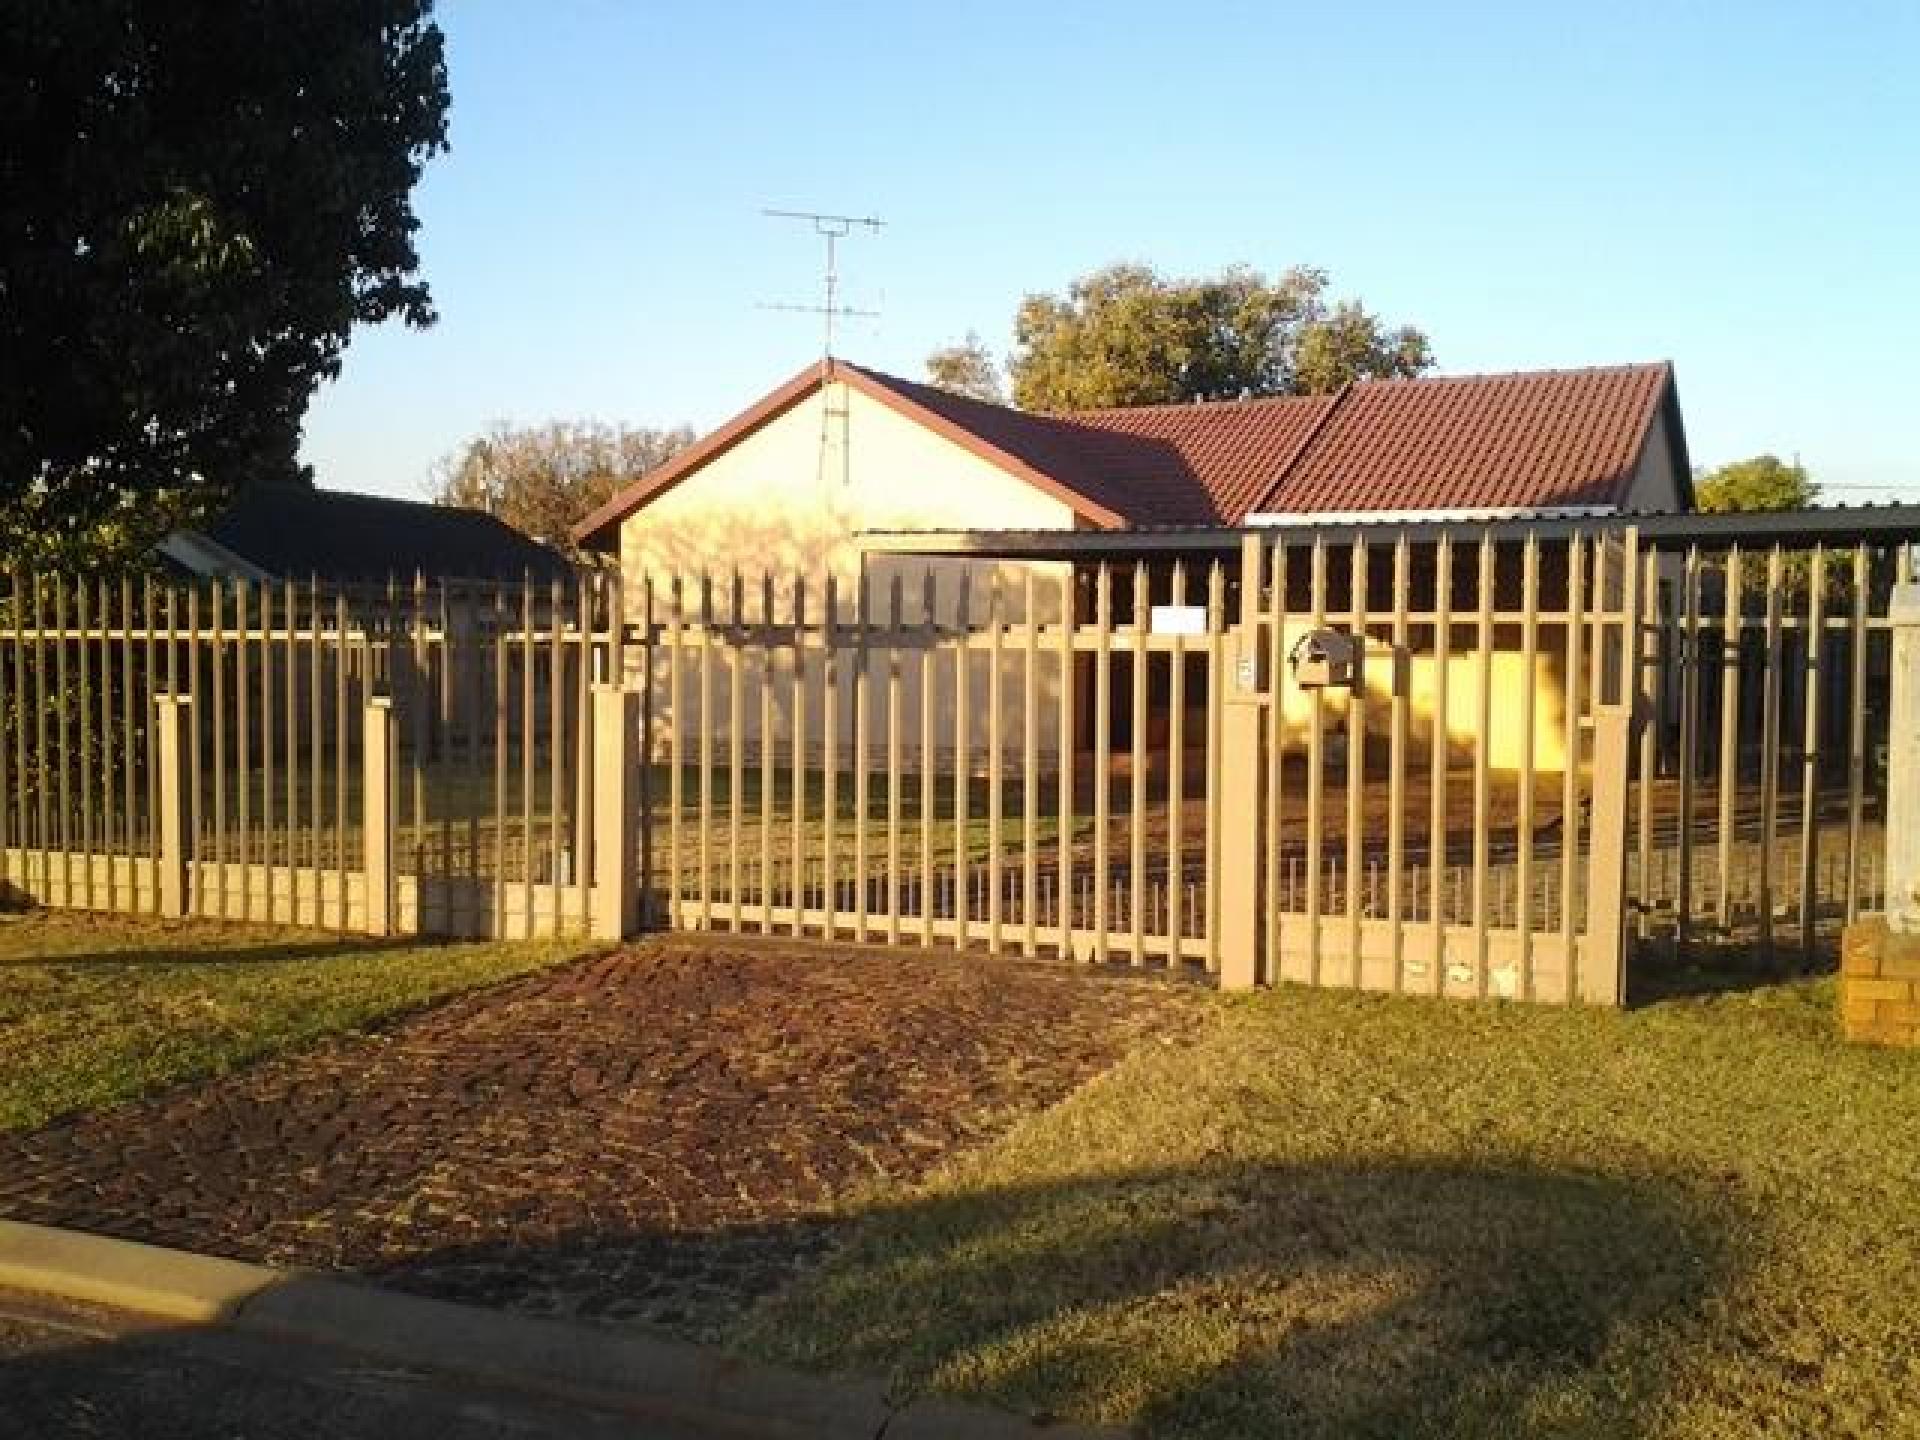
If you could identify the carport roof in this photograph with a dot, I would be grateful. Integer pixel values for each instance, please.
(1835, 527)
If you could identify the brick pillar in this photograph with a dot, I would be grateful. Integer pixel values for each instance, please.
(1880, 984)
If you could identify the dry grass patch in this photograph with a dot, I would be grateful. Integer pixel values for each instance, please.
(1335, 1215)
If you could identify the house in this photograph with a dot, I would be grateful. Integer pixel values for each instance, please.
(841, 450)
(290, 532)
(836, 471)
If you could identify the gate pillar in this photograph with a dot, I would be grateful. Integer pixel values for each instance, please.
(616, 791)
(1239, 780)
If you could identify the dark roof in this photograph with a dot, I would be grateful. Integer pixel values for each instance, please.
(293, 531)
(1539, 440)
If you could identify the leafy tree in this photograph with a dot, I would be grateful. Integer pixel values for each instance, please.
(1764, 482)
(1127, 336)
(544, 479)
(198, 201)
(967, 369)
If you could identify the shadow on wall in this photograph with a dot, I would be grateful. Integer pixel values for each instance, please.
(1307, 1300)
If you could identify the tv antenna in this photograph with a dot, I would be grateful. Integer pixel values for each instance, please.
(833, 229)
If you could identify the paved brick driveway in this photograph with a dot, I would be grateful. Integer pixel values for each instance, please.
(658, 1134)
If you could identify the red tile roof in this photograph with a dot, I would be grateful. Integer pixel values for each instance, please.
(1538, 440)
(1533, 440)
(1156, 465)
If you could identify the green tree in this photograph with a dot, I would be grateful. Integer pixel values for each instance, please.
(545, 479)
(198, 201)
(1764, 482)
(967, 368)
(1127, 336)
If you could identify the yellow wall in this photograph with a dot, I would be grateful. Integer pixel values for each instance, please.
(1507, 733)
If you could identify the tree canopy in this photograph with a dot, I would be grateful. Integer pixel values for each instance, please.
(967, 368)
(1126, 335)
(198, 201)
(545, 479)
(1762, 482)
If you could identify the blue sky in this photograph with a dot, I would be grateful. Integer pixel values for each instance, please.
(1732, 186)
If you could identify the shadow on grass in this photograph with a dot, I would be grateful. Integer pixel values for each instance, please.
(155, 953)
(1659, 971)
(1314, 1300)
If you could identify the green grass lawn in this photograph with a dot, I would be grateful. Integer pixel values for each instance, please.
(1336, 1215)
(95, 1009)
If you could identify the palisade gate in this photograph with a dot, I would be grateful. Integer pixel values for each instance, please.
(1110, 766)
(1423, 759)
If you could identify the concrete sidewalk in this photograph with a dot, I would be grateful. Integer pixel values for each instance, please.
(668, 1388)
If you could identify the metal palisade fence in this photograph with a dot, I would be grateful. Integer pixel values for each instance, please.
(1480, 767)
(302, 723)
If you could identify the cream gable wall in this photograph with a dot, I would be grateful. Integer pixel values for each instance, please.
(763, 507)
(763, 504)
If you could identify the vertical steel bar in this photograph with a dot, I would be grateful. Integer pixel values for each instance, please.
(269, 743)
(290, 811)
(1029, 768)
(1690, 659)
(1397, 756)
(1273, 909)
(1810, 748)
(43, 782)
(1857, 642)
(1732, 622)
(1440, 761)
(798, 827)
(1177, 770)
(768, 753)
(829, 758)
(962, 758)
(129, 684)
(557, 738)
(340, 737)
(1316, 762)
(676, 745)
(929, 678)
(243, 747)
(1216, 722)
(996, 702)
(1102, 757)
(1356, 758)
(1137, 799)
(526, 755)
(1066, 767)
(1770, 744)
(1650, 729)
(80, 640)
(895, 638)
(736, 738)
(862, 745)
(1482, 759)
(1528, 718)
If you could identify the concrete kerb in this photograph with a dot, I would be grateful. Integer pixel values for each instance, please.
(635, 1374)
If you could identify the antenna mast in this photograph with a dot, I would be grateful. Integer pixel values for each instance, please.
(833, 229)
(835, 441)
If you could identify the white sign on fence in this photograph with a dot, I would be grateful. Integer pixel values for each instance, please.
(1179, 619)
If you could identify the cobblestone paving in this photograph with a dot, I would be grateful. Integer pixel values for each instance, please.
(654, 1135)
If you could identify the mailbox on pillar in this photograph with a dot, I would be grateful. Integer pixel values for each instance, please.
(1323, 659)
